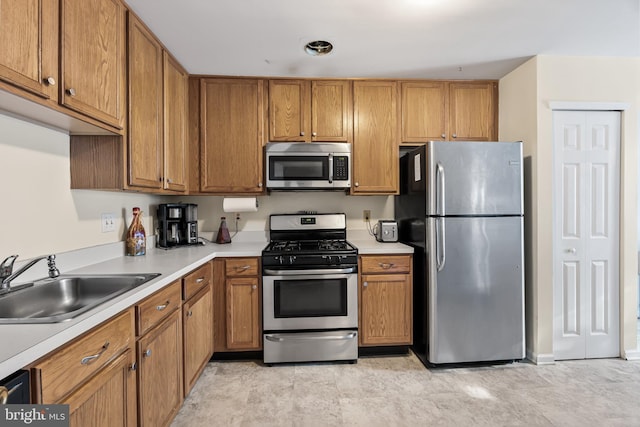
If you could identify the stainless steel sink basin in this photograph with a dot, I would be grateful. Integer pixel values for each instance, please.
(65, 297)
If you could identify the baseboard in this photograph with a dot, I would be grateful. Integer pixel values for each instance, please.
(541, 359)
(631, 354)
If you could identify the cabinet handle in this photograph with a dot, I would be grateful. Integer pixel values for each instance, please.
(163, 306)
(301, 133)
(189, 313)
(365, 284)
(254, 287)
(454, 135)
(133, 367)
(147, 353)
(259, 185)
(88, 359)
(168, 180)
(50, 81)
(71, 91)
(243, 268)
(386, 265)
(314, 133)
(443, 136)
(200, 279)
(571, 250)
(357, 184)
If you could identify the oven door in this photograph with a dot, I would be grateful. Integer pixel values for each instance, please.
(297, 301)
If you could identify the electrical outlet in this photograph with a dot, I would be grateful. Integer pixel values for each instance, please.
(108, 221)
(366, 215)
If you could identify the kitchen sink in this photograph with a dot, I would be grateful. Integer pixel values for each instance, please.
(65, 297)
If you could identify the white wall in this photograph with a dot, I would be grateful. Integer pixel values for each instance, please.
(39, 214)
(578, 79)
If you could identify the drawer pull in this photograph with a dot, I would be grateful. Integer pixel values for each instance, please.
(243, 268)
(163, 306)
(89, 359)
(365, 284)
(386, 265)
(189, 313)
(200, 279)
(147, 353)
(133, 367)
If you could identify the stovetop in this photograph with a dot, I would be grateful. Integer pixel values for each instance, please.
(309, 246)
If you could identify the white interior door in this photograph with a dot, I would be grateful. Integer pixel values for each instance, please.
(586, 234)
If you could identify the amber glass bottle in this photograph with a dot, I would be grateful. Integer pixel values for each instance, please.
(136, 236)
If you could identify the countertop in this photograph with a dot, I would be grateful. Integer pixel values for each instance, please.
(24, 344)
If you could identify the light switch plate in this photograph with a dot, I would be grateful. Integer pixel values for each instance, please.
(108, 222)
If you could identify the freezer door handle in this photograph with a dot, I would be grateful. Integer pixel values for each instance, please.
(439, 189)
(441, 252)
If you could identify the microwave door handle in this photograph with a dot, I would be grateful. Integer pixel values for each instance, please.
(330, 169)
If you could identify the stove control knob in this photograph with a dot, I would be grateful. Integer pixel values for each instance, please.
(292, 259)
(278, 258)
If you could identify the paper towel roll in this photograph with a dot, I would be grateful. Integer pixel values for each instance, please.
(240, 204)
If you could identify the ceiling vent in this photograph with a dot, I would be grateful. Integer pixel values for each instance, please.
(318, 48)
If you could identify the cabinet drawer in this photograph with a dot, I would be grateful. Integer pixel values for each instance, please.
(65, 369)
(241, 266)
(155, 308)
(386, 264)
(196, 280)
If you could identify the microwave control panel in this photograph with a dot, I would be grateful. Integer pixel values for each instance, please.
(341, 168)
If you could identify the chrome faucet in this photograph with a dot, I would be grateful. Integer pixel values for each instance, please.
(7, 274)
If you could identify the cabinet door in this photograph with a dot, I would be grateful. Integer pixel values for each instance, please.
(231, 135)
(289, 110)
(243, 313)
(197, 322)
(93, 58)
(375, 138)
(108, 399)
(385, 309)
(331, 110)
(145, 107)
(424, 111)
(175, 125)
(472, 112)
(160, 388)
(29, 45)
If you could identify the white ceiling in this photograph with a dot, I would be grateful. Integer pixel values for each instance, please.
(454, 39)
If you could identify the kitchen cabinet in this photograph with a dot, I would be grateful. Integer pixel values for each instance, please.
(197, 324)
(375, 137)
(145, 135)
(310, 110)
(473, 111)
(29, 46)
(385, 300)
(159, 355)
(61, 372)
(231, 136)
(448, 110)
(110, 393)
(92, 59)
(237, 298)
(176, 82)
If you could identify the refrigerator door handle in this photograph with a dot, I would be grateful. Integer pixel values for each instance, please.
(439, 189)
(441, 250)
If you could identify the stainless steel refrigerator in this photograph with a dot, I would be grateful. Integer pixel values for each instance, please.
(461, 208)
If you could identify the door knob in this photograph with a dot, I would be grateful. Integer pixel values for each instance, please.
(50, 81)
(71, 91)
(571, 250)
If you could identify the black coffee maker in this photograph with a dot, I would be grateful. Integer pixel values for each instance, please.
(178, 224)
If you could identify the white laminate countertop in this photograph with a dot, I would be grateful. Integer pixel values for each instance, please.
(23, 344)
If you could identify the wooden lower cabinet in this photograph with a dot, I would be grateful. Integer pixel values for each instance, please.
(108, 399)
(237, 301)
(385, 301)
(160, 388)
(197, 324)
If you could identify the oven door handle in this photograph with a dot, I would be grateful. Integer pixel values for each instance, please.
(303, 337)
(308, 272)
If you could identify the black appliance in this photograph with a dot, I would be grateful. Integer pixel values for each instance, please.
(15, 389)
(177, 224)
(310, 290)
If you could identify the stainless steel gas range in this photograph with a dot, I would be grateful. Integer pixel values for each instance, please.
(310, 290)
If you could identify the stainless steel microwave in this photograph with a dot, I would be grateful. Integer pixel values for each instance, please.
(308, 166)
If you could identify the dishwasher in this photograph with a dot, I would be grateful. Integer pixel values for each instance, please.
(15, 389)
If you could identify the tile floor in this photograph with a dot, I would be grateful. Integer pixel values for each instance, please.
(399, 391)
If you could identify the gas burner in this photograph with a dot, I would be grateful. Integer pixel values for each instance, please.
(285, 246)
(332, 245)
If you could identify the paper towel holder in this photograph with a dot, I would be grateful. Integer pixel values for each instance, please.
(240, 204)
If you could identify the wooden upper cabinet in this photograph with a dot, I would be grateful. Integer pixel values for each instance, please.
(473, 111)
(308, 111)
(29, 45)
(375, 137)
(424, 111)
(231, 135)
(176, 81)
(93, 59)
